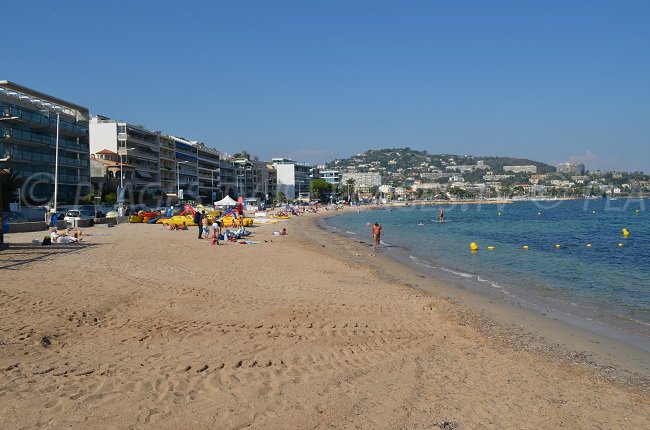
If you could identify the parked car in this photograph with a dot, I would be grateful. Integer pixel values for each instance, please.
(77, 214)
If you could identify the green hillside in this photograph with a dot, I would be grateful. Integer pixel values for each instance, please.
(392, 160)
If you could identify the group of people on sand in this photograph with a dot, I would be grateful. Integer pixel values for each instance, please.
(215, 233)
(65, 236)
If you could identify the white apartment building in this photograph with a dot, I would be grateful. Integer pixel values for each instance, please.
(362, 181)
(520, 169)
(576, 169)
(330, 176)
(293, 179)
(134, 145)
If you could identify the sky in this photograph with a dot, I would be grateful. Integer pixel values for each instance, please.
(550, 81)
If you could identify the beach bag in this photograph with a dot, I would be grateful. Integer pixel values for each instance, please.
(221, 237)
(46, 241)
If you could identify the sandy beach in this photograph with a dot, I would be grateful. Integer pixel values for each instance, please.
(137, 327)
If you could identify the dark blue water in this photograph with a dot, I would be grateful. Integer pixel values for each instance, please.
(607, 283)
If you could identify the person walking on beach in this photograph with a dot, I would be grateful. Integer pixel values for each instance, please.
(197, 221)
(216, 232)
(205, 228)
(377, 231)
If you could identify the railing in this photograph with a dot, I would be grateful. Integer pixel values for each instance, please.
(46, 139)
(48, 119)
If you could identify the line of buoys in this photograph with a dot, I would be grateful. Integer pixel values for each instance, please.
(474, 246)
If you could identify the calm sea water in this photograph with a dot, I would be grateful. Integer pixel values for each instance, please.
(605, 286)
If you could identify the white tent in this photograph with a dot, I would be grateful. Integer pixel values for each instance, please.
(226, 201)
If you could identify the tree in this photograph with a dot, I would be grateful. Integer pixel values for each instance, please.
(242, 154)
(320, 189)
(90, 197)
(350, 187)
(9, 183)
(110, 198)
(280, 197)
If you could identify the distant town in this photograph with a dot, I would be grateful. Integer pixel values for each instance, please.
(404, 173)
(52, 150)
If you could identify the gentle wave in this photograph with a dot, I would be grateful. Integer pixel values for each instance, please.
(461, 274)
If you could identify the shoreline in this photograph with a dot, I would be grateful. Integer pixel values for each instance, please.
(142, 327)
(594, 345)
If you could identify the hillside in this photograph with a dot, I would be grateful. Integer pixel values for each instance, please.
(393, 160)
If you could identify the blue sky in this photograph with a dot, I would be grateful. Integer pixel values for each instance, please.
(317, 80)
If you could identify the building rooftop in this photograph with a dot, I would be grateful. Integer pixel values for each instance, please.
(43, 100)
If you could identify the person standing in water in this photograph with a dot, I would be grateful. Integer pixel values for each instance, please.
(442, 216)
(377, 231)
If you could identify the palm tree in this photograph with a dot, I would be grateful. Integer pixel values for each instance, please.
(350, 184)
(9, 183)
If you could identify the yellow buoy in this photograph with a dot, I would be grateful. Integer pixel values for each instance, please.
(626, 233)
(473, 246)
(637, 210)
(557, 245)
(525, 246)
(491, 248)
(620, 244)
(589, 245)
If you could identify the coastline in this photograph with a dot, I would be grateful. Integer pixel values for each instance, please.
(291, 332)
(554, 334)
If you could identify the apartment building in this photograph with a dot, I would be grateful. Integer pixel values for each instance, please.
(32, 126)
(362, 181)
(520, 169)
(135, 146)
(294, 179)
(330, 176)
(209, 170)
(571, 168)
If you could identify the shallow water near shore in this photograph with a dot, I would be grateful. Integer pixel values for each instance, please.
(596, 278)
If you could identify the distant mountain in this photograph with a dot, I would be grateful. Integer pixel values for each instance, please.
(392, 160)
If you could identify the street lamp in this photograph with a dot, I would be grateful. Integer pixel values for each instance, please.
(2, 221)
(121, 151)
(56, 162)
(212, 174)
(56, 150)
(178, 178)
(238, 186)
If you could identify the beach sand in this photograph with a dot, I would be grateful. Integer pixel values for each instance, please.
(139, 327)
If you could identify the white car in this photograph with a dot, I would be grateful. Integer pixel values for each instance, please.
(72, 216)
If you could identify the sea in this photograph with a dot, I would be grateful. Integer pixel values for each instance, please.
(565, 258)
